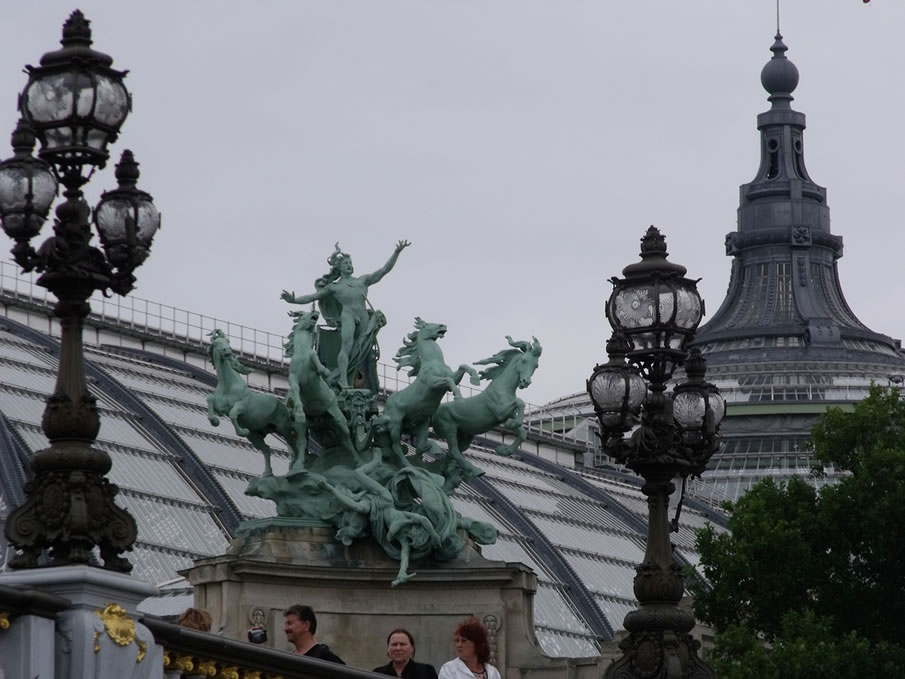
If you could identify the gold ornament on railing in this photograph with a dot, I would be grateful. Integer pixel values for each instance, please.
(120, 627)
(207, 667)
(228, 672)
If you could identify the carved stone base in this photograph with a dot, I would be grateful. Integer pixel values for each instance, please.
(275, 563)
(69, 509)
(659, 646)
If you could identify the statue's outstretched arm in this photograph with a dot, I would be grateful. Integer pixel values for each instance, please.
(371, 278)
(303, 299)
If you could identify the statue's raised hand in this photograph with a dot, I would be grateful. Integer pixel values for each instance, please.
(402, 245)
(287, 296)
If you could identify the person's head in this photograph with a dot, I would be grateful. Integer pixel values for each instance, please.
(195, 618)
(300, 623)
(470, 640)
(400, 646)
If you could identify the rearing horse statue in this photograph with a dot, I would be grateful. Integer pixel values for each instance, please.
(458, 422)
(313, 403)
(409, 410)
(254, 415)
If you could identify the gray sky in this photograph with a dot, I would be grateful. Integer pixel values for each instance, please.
(522, 146)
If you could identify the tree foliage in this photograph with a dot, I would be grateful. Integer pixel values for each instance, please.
(811, 583)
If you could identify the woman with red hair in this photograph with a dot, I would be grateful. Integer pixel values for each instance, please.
(472, 654)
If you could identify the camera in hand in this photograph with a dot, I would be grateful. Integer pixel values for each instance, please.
(257, 635)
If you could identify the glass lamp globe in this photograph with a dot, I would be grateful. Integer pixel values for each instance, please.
(126, 218)
(698, 407)
(616, 389)
(656, 308)
(75, 101)
(27, 188)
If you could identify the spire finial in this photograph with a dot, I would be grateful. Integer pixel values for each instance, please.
(779, 77)
(777, 18)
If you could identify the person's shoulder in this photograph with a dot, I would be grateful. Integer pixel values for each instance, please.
(424, 670)
(492, 671)
(450, 667)
(384, 669)
(323, 652)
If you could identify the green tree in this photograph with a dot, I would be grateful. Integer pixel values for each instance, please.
(811, 583)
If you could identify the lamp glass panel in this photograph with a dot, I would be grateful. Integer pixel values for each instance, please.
(13, 187)
(43, 188)
(97, 139)
(112, 102)
(635, 307)
(84, 94)
(667, 306)
(689, 308)
(50, 98)
(718, 406)
(111, 219)
(58, 137)
(148, 221)
(689, 409)
(645, 341)
(608, 391)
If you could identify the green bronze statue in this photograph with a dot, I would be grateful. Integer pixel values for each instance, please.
(343, 300)
(349, 467)
(458, 422)
(313, 404)
(254, 415)
(409, 410)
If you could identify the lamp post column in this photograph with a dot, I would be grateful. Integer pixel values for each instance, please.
(74, 103)
(654, 312)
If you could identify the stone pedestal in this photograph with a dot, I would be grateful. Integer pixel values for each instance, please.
(98, 636)
(275, 563)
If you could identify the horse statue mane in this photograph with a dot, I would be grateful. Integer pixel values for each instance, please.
(501, 359)
(408, 355)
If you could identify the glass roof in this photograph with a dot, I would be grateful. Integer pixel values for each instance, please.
(177, 523)
(232, 453)
(147, 385)
(27, 376)
(23, 352)
(552, 610)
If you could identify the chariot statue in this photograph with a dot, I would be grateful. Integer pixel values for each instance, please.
(367, 471)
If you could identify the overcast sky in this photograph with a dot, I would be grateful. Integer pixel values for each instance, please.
(522, 146)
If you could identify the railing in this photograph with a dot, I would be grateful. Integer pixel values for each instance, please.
(187, 327)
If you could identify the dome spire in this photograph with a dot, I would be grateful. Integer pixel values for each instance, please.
(779, 76)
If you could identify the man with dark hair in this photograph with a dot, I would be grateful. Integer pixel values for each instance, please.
(300, 626)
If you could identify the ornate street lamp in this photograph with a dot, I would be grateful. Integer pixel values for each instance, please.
(74, 104)
(654, 312)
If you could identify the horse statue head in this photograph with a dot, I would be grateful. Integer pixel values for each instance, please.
(305, 321)
(221, 354)
(410, 355)
(522, 358)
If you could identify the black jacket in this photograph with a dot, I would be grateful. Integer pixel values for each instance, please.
(323, 652)
(412, 670)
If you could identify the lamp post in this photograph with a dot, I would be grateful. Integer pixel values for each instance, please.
(654, 312)
(74, 104)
